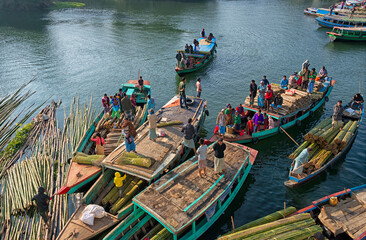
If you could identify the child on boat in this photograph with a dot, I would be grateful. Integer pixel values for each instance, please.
(118, 182)
(202, 155)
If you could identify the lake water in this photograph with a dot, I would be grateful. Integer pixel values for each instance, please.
(94, 50)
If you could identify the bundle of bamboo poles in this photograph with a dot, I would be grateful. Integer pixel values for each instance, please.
(301, 225)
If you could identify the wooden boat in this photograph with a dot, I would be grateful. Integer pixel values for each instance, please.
(198, 59)
(340, 21)
(79, 174)
(337, 216)
(347, 34)
(295, 181)
(181, 205)
(286, 120)
(164, 154)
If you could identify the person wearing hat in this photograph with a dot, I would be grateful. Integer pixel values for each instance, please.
(300, 160)
(221, 121)
(219, 159)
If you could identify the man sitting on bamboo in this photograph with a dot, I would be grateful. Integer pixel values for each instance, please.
(299, 162)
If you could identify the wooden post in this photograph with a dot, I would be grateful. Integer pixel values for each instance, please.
(232, 222)
(284, 209)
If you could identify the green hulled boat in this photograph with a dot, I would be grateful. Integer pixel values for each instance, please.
(347, 34)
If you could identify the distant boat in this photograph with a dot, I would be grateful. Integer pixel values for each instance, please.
(198, 59)
(340, 21)
(181, 205)
(295, 181)
(347, 34)
(80, 174)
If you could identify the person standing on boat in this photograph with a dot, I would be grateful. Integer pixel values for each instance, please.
(331, 8)
(342, 5)
(337, 115)
(42, 202)
(199, 87)
(186, 48)
(352, 12)
(141, 84)
(305, 78)
(253, 92)
(118, 182)
(250, 126)
(258, 120)
(305, 64)
(153, 119)
(265, 80)
(219, 160)
(189, 133)
(116, 108)
(261, 94)
(229, 111)
(237, 122)
(300, 160)
(284, 82)
(221, 121)
(130, 133)
(270, 122)
(182, 93)
(105, 102)
(202, 156)
(312, 77)
(99, 143)
(203, 33)
(150, 103)
(179, 58)
(268, 97)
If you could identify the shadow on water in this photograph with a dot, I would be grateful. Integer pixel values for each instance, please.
(29, 20)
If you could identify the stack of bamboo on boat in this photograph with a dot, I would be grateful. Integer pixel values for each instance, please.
(300, 100)
(325, 142)
(300, 226)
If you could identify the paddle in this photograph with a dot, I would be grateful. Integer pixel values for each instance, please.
(289, 136)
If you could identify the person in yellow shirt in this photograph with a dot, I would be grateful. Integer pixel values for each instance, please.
(118, 182)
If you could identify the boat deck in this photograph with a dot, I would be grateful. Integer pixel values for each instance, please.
(164, 150)
(347, 216)
(76, 229)
(182, 196)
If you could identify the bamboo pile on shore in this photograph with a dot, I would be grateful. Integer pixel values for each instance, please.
(326, 142)
(301, 99)
(299, 226)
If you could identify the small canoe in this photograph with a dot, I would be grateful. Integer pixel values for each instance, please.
(184, 206)
(162, 155)
(198, 59)
(297, 180)
(337, 216)
(347, 34)
(341, 21)
(80, 175)
(282, 121)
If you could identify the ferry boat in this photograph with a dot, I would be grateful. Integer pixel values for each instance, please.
(80, 174)
(347, 34)
(207, 49)
(153, 159)
(356, 118)
(340, 21)
(286, 120)
(181, 205)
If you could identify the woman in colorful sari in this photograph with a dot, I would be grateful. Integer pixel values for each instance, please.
(312, 77)
(261, 94)
(230, 114)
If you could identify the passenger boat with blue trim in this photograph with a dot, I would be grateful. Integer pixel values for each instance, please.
(332, 155)
(283, 120)
(152, 160)
(80, 175)
(341, 21)
(197, 60)
(337, 216)
(182, 205)
(347, 34)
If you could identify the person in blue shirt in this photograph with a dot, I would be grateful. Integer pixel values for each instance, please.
(265, 80)
(284, 83)
(150, 103)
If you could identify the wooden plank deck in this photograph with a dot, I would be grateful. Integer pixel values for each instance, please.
(165, 149)
(348, 216)
(181, 195)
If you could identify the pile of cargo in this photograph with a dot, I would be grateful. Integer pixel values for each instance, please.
(291, 103)
(325, 142)
(277, 226)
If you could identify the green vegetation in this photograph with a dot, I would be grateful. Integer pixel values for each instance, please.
(17, 142)
(62, 5)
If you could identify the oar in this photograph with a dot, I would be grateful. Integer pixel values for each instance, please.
(289, 136)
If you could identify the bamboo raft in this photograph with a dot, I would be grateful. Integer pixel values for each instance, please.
(328, 144)
(180, 202)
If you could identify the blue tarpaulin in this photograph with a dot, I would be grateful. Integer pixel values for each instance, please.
(206, 46)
